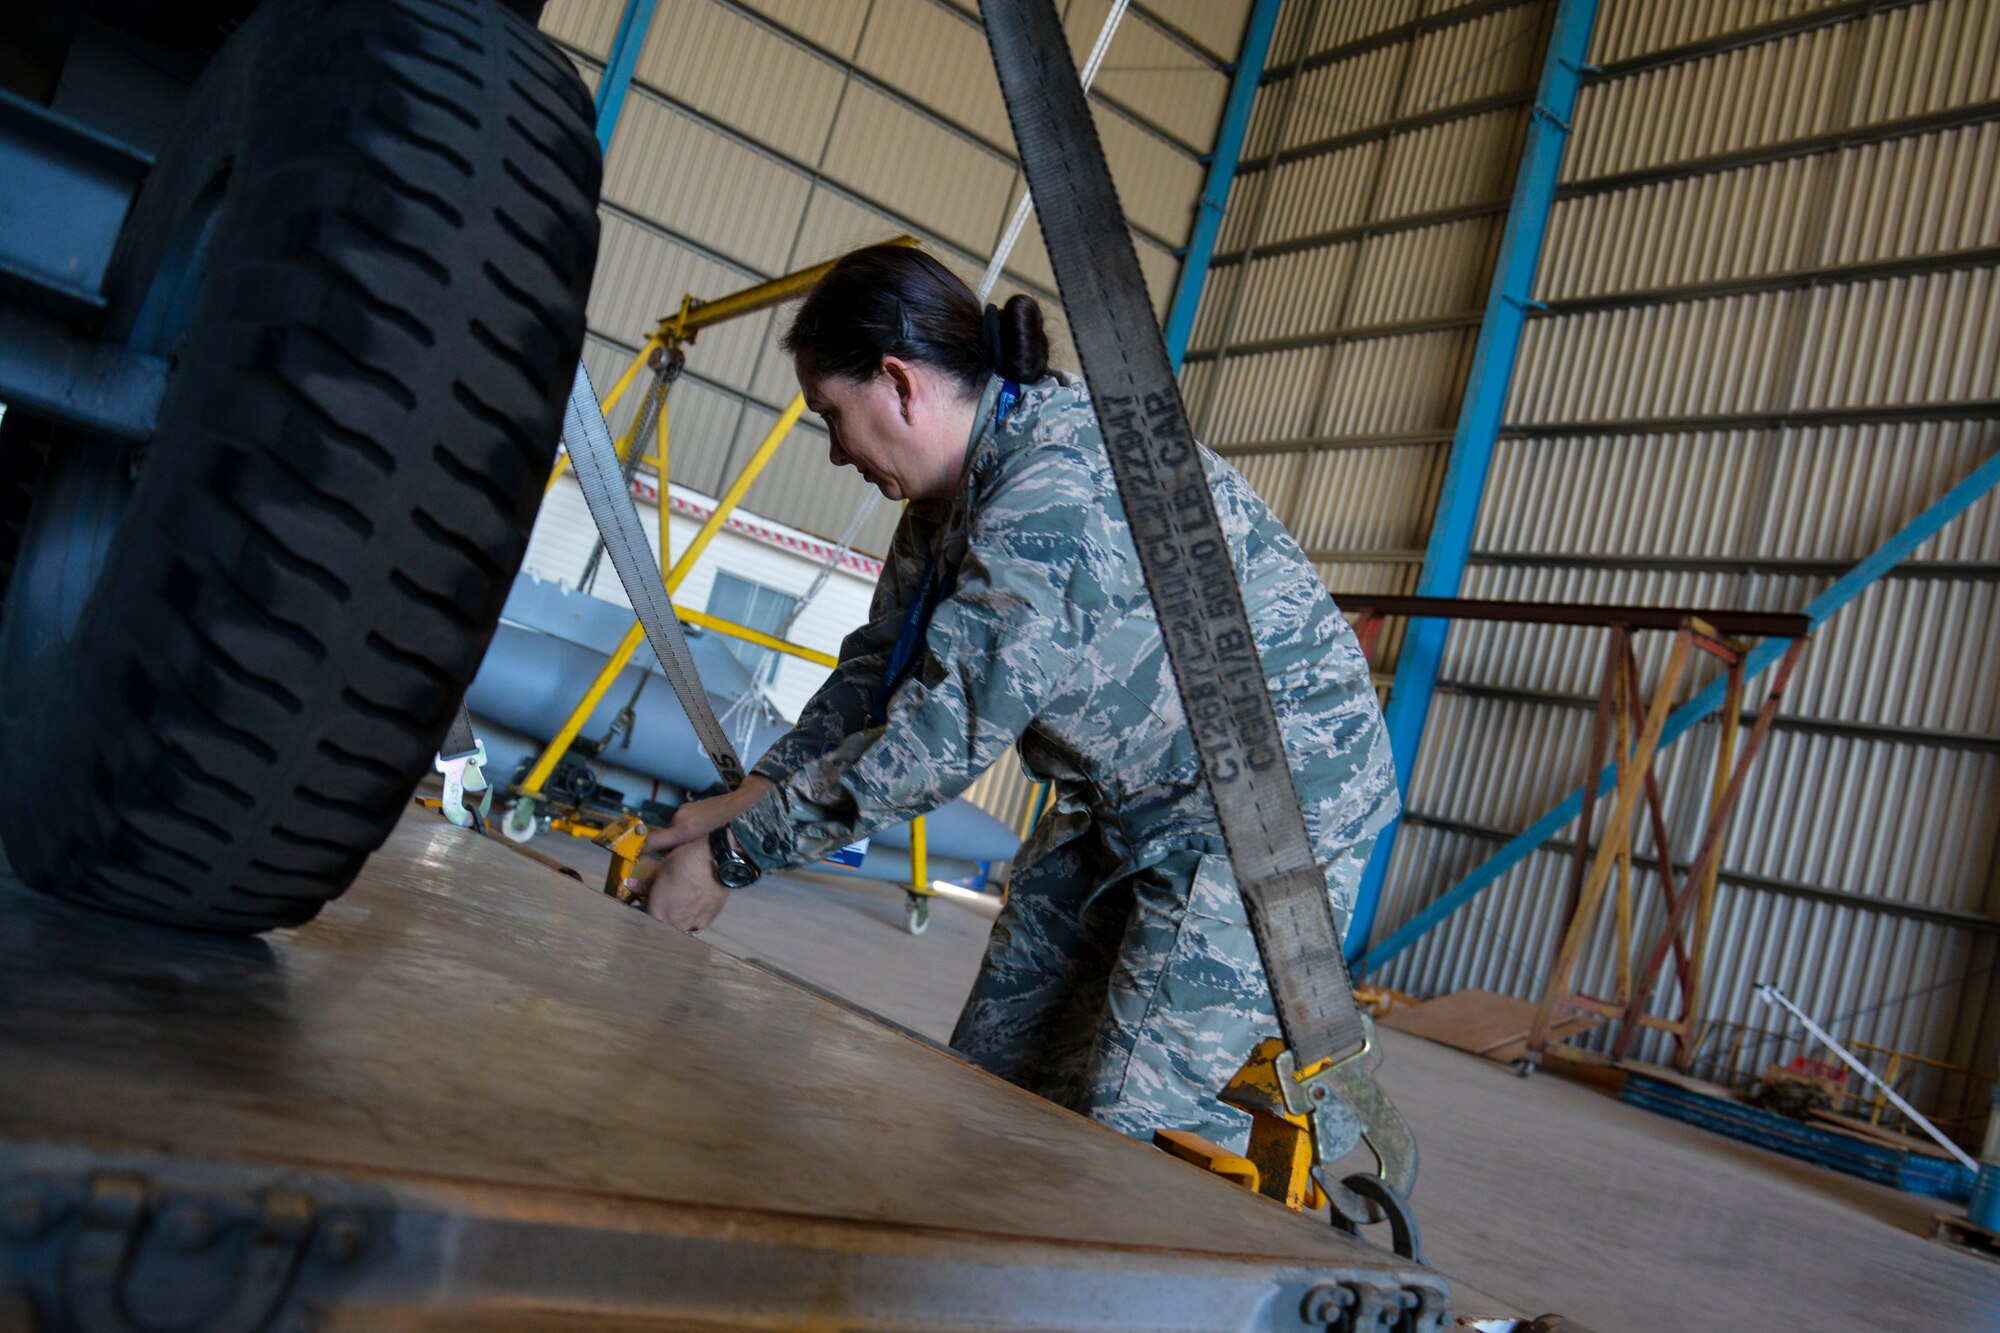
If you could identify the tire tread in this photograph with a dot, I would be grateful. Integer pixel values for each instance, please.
(387, 349)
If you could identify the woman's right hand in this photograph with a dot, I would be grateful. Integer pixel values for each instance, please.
(698, 819)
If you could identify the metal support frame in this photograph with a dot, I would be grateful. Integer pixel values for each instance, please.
(920, 865)
(1222, 163)
(1626, 733)
(69, 189)
(1690, 901)
(686, 325)
(1479, 420)
(55, 252)
(1844, 590)
(668, 337)
(729, 629)
(670, 334)
(97, 386)
(558, 746)
(1758, 624)
(616, 80)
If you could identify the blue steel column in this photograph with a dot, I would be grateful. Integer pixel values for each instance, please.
(1221, 176)
(618, 67)
(1479, 417)
(1682, 720)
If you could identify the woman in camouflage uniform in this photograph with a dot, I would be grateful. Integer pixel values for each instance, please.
(1122, 979)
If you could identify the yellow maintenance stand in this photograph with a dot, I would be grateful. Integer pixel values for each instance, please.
(664, 351)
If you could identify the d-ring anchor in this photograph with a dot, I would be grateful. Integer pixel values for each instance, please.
(1404, 1237)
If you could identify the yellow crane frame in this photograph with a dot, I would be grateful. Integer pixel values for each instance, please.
(672, 333)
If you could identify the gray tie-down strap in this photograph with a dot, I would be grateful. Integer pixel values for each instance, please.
(1182, 549)
(1184, 555)
(595, 460)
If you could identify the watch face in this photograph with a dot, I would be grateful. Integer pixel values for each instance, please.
(733, 870)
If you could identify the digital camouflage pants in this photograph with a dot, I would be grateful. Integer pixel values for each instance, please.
(1128, 987)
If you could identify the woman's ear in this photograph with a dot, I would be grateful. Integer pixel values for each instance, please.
(905, 385)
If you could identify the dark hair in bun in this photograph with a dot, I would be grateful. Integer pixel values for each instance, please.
(895, 300)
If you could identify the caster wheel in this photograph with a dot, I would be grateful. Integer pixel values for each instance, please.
(1524, 1067)
(521, 824)
(917, 914)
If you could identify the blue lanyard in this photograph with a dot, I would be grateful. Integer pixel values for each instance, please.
(917, 622)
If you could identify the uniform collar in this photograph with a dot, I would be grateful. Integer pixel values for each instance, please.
(982, 423)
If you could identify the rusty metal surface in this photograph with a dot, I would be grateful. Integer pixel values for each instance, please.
(1766, 624)
(463, 1022)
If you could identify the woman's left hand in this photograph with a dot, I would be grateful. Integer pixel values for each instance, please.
(682, 889)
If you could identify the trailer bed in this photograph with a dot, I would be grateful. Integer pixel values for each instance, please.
(477, 1093)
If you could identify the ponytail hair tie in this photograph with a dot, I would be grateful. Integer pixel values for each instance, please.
(989, 334)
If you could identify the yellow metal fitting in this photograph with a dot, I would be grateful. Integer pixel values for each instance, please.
(1192, 1147)
(624, 838)
(687, 323)
(1281, 1140)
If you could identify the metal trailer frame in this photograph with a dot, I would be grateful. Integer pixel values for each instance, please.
(54, 254)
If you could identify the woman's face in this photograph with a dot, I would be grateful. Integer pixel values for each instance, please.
(904, 430)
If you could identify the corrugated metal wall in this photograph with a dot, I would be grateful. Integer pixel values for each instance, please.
(1772, 337)
(762, 136)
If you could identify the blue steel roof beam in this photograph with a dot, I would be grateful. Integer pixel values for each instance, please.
(1214, 201)
(618, 67)
(1563, 69)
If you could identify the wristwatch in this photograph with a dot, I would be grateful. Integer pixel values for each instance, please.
(733, 870)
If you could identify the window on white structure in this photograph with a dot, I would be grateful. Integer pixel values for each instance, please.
(753, 606)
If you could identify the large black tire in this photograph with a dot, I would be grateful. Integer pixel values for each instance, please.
(227, 657)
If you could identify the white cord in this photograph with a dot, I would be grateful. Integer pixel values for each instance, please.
(991, 277)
